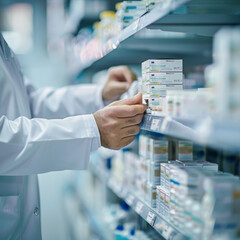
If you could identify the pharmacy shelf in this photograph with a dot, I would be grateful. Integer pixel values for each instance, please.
(149, 214)
(201, 131)
(134, 50)
(200, 24)
(94, 50)
(201, 17)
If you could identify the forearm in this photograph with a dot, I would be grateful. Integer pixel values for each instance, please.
(32, 146)
(67, 101)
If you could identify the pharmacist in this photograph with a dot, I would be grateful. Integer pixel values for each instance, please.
(52, 130)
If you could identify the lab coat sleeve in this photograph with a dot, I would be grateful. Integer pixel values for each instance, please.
(32, 146)
(66, 101)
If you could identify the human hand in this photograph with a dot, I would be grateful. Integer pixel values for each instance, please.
(119, 80)
(118, 123)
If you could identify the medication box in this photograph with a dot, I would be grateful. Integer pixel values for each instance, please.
(162, 201)
(154, 173)
(185, 150)
(158, 150)
(157, 90)
(163, 78)
(152, 195)
(162, 65)
(144, 146)
(157, 104)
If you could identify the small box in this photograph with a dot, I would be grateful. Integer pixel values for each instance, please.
(154, 173)
(158, 188)
(163, 78)
(162, 201)
(162, 65)
(163, 173)
(152, 195)
(167, 177)
(185, 150)
(144, 146)
(167, 204)
(157, 90)
(158, 150)
(157, 104)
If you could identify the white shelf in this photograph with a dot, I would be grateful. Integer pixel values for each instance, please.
(202, 131)
(149, 214)
(93, 54)
(199, 17)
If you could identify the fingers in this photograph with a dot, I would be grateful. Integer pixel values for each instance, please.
(137, 99)
(124, 111)
(116, 132)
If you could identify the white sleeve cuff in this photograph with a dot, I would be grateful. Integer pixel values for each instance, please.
(94, 128)
(99, 101)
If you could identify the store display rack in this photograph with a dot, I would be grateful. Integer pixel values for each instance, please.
(199, 20)
(94, 54)
(134, 50)
(195, 17)
(201, 131)
(149, 214)
(201, 24)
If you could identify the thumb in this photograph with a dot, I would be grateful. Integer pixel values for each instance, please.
(137, 99)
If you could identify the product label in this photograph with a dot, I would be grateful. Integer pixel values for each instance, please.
(151, 217)
(139, 207)
(173, 65)
(157, 104)
(155, 126)
(163, 78)
(157, 90)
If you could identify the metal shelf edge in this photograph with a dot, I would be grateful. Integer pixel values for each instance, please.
(202, 131)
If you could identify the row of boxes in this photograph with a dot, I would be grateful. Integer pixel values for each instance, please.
(161, 149)
(198, 199)
(191, 194)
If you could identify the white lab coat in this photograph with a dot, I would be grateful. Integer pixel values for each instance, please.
(40, 131)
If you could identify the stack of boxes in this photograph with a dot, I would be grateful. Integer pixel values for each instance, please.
(152, 152)
(203, 201)
(156, 160)
(158, 77)
(192, 195)
(167, 193)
